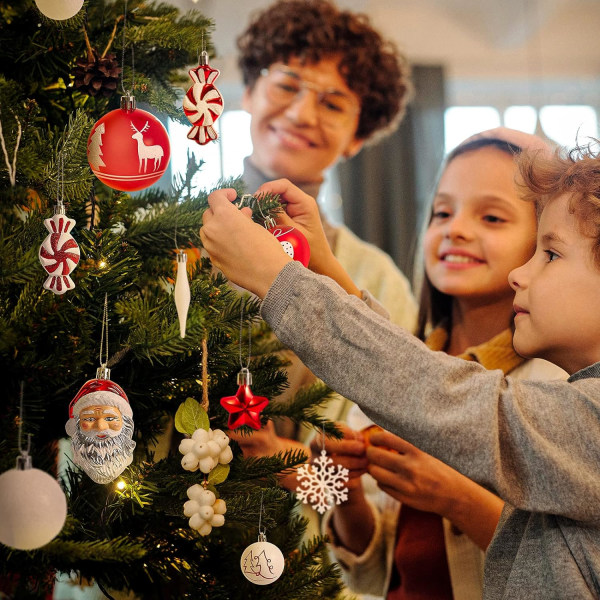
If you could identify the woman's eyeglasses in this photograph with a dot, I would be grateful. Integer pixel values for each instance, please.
(334, 107)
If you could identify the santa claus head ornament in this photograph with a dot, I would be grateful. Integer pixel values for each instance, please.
(101, 429)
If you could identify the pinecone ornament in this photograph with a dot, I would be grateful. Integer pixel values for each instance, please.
(97, 74)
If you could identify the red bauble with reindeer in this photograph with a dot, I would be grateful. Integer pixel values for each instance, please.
(128, 149)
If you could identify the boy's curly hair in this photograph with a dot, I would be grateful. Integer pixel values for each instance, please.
(575, 172)
(312, 30)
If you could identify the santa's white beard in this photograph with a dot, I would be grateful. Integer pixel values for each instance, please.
(104, 459)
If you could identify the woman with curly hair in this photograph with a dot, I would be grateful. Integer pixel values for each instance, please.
(320, 83)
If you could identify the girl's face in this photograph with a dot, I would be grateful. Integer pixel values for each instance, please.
(479, 230)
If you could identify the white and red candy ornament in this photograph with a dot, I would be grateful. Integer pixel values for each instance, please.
(203, 103)
(59, 253)
(205, 450)
(128, 149)
(204, 510)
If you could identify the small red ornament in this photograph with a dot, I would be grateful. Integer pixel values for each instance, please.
(59, 252)
(244, 408)
(203, 103)
(293, 243)
(128, 148)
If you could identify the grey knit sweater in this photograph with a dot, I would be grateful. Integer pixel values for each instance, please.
(535, 444)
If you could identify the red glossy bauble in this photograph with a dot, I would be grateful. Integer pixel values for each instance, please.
(128, 150)
(293, 242)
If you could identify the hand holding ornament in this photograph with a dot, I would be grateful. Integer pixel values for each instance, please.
(243, 250)
(349, 452)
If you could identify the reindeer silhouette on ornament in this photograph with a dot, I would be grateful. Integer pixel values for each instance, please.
(145, 152)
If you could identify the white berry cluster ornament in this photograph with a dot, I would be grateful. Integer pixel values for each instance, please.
(323, 484)
(205, 450)
(204, 509)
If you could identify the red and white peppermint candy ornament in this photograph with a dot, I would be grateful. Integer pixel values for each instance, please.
(59, 253)
(203, 103)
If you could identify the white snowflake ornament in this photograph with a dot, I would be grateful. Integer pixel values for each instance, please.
(205, 450)
(204, 509)
(322, 483)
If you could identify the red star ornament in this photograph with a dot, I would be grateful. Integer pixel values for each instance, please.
(244, 408)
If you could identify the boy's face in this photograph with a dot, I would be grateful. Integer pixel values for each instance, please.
(557, 294)
(292, 137)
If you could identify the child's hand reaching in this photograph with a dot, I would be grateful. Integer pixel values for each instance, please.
(245, 251)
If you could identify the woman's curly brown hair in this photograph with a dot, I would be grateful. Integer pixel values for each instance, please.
(576, 173)
(312, 30)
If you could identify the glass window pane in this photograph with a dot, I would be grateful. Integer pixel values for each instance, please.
(522, 118)
(236, 142)
(210, 172)
(462, 121)
(569, 125)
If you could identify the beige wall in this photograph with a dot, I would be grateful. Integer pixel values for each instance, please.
(495, 48)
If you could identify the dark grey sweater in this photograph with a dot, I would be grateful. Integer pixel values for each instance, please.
(534, 443)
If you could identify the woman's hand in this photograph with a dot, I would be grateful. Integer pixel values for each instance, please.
(302, 212)
(349, 452)
(425, 483)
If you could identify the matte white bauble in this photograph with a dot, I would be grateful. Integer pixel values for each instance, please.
(33, 508)
(59, 10)
(262, 562)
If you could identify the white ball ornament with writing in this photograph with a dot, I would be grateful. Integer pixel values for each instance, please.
(262, 563)
(59, 10)
(33, 508)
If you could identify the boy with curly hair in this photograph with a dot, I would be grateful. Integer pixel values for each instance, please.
(534, 443)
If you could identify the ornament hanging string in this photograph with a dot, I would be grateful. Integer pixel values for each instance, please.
(261, 531)
(104, 332)
(245, 367)
(125, 92)
(23, 460)
(60, 181)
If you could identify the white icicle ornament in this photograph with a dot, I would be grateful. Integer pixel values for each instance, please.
(204, 509)
(182, 291)
(205, 450)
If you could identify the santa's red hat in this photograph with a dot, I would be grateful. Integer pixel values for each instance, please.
(98, 392)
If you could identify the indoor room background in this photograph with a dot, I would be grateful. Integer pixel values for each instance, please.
(532, 65)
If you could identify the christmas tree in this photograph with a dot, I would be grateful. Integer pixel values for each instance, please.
(58, 78)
